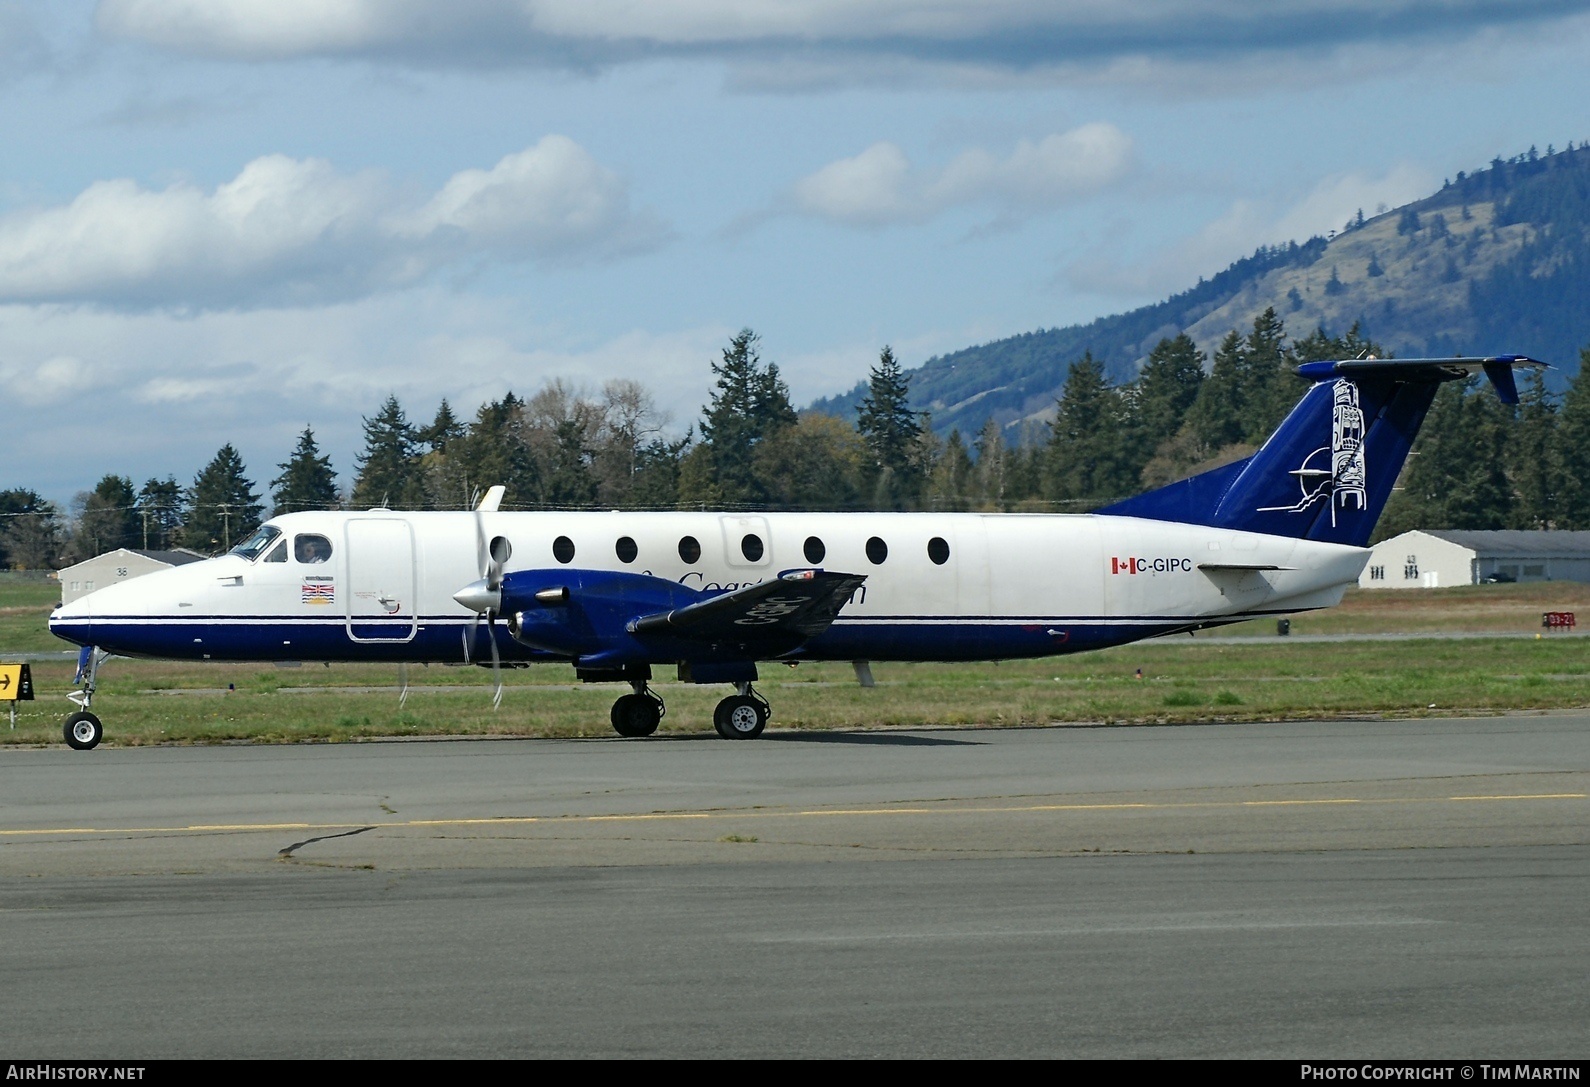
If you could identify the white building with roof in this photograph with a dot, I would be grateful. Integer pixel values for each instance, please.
(84, 577)
(1434, 558)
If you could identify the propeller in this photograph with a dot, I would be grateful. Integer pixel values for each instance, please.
(484, 597)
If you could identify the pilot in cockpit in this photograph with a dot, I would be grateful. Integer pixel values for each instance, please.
(312, 549)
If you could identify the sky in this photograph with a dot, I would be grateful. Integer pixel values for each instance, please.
(222, 221)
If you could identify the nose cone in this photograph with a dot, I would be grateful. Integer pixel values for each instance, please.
(73, 622)
(479, 596)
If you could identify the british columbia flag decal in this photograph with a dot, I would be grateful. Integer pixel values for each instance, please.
(319, 590)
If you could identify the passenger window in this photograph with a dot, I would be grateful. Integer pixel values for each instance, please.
(563, 549)
(814, 550)
(625, 549)
(751, 547)
(311, 548)
(939, 550)
(689, 549)
(877, 551)
(278, 553)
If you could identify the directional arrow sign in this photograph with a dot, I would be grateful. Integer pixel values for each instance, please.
(16, 683)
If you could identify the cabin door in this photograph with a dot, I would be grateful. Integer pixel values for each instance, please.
(380, 580)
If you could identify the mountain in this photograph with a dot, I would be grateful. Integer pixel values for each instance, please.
(1497, 260)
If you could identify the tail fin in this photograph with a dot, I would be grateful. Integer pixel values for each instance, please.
(1327, 471)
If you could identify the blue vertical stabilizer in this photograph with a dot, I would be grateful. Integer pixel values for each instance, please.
(1327, 471)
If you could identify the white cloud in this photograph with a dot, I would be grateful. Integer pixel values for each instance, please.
(834, 40)
(150, 394)
(871, 189)
(296, 230)
(553, 199)
(1245, 226)
(880, 186)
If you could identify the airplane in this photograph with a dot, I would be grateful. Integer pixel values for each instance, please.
(714, 594)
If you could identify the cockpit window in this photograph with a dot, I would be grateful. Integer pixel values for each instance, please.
(256, 544)
(278, 553)
(311, 548)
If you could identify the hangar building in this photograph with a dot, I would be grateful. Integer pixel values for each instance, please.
(84, 577)
(1433, 558)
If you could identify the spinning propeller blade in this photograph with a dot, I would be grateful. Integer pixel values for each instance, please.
(484, 597)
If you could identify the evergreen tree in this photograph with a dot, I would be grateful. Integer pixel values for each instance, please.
(1160, 399)
(107, 518)
(951, 482)
(389, 467)
(160, 505)
(1455, 476)
(30, 530)
(307, 481)
(1573, 449)
(751, 403)
(1084, 456)
(1269, 384)
(443, 429)
(1533, 458)
(893, 433)
(989, 477)
(222, 505)
(493, 451)
(1216, 416)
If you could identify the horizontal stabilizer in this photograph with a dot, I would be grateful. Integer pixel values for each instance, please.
(1498, 368)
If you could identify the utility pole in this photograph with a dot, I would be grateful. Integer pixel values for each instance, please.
(226, 527)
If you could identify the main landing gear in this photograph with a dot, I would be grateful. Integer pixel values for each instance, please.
(741, 716)
(638, 714)
(82, 729)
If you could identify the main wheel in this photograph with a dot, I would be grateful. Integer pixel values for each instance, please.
(636, 715)
(83, 731)
(740, 717)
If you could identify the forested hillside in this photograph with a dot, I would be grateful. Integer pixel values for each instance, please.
(1497, 260)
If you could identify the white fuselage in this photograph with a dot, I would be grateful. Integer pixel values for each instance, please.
(993, 586)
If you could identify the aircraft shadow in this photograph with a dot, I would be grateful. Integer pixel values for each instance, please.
(882, 739)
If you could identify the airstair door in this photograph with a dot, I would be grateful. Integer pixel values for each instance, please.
(380, 580)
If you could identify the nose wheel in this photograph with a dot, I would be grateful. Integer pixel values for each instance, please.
(83, 731)
(742, 716)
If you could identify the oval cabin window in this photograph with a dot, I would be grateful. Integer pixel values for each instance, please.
(939, 550)
(751, 547)
(625, 549)
(877, 551)
(689, 549)
(814, 550)
(563, 549)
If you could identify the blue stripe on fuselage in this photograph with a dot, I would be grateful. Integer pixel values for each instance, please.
(900, 638)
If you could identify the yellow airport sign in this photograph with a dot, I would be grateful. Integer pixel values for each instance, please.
(16, 683)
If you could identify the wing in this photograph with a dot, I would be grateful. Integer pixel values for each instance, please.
(796, 606)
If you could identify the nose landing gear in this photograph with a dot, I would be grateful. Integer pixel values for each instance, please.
(82, 729)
